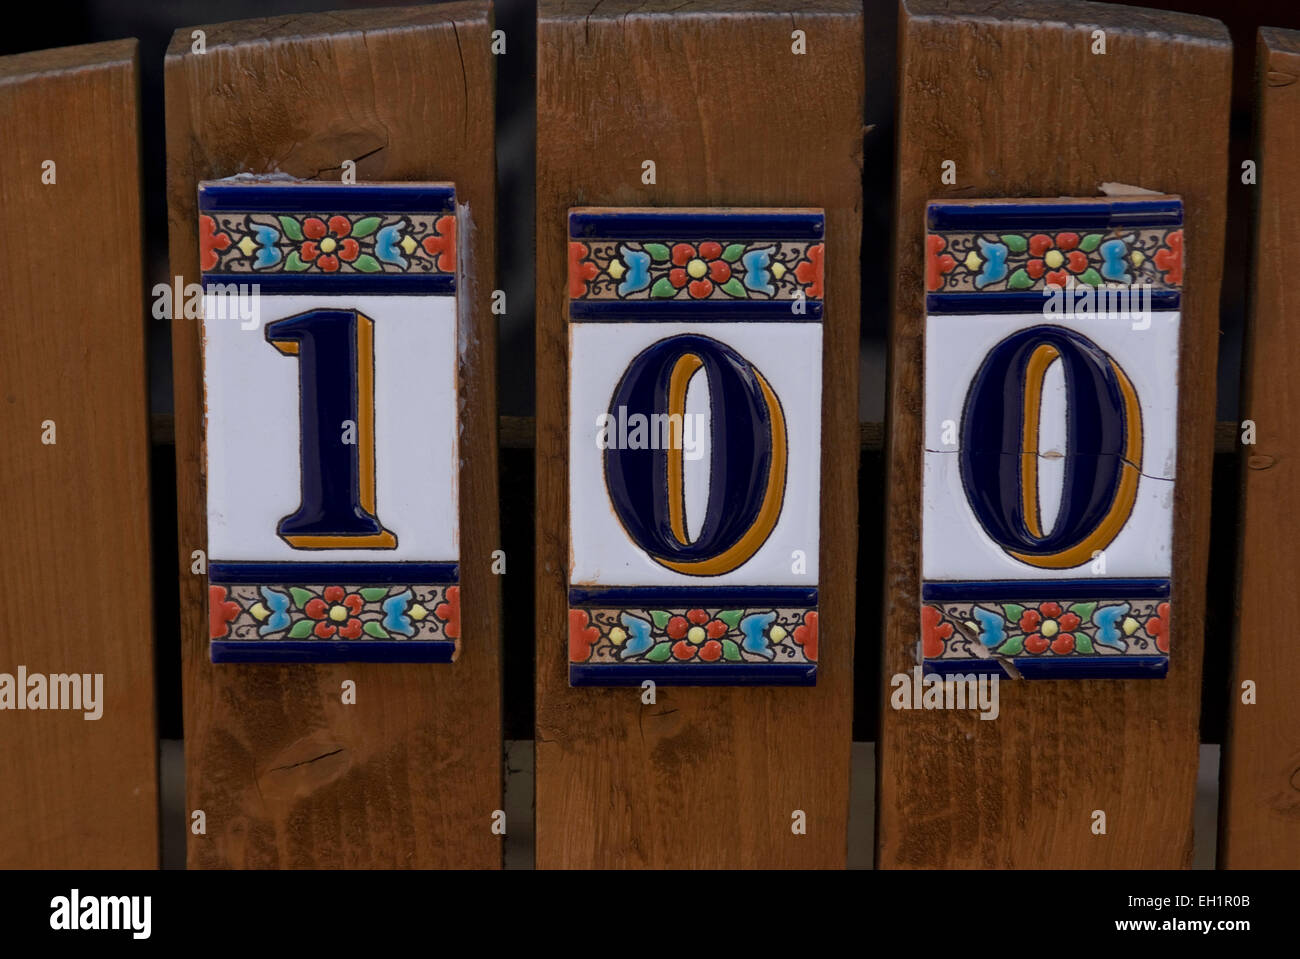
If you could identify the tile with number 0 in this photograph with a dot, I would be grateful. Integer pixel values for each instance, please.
(1051, 414)
(695, 359)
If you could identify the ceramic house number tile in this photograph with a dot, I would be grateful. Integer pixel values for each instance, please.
(695, 358)
(1051, 379)
(329, 336)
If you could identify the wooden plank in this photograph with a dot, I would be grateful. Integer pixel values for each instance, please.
(706, 777)
(76, 794)
(1259, 823)
(1020, 792)
(286, 774)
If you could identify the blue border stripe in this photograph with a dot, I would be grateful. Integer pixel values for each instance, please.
(1029, 302)
(325, 651)
(1057, 667)
(1084, 215)
(325, 198)
(328, 284)
(696, 595)
(693, 311)
(317, 574)
(695, 674)
(1045, 589)
(672, 225)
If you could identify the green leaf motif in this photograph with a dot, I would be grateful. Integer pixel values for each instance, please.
(372, 594)
(660, 618)
(1091, 277)
(731, 617)
(1013, 646)
(301, 629)
(1015, 242)
(658, 252)
(730, 651)
(1013, 612)
(366, 263)
(663, 288)
(733, 251)
(366, 226)
(1083, 610)
(1083, 644)
(1090, 242)
(301, 597)
(374, 629)
(733, 287)
(292, 228)
(293, 263)
(659, 652)
(1020, 280)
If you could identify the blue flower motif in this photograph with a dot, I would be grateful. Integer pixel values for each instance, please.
(395, 618)
(278, 603)
(754, 628)
(993, 628)
(757, 272)
(1107, 619)
(1112, 261)
(386, 245)
(638, 271)
(995, 263)
(639, 639)
(268, 254)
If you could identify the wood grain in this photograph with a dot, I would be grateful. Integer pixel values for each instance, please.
(705, 777)
(1010, 90)
(1259, 824)
(287, 775)
(75, 794)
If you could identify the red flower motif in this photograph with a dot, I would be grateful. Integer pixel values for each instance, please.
(581, 636)
(336, 613)
(806, 634)
(937, 262)
(1158, 627)
(1049, 627)
(1169, 258)
(933, 632)
(697, 616)
(449, 612)
(210, 241)
(812, 271)
(1056, 258)
(691, 644)
(441, 244)
(326, 244)
(581, 270)
(698, 268)
(677, 627)
(711, 651)
(221, 611)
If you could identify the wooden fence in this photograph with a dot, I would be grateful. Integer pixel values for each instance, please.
(719, 104)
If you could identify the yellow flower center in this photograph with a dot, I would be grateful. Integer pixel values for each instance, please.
(973, 261)
(697, 268)
(1049, 628)
(696, 635)
(338, 613)
(327, 245)
(617, 635)
(1054, 259)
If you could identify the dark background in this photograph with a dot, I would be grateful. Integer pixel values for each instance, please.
(89, 21)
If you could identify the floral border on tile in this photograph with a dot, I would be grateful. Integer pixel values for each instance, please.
(332, 613)
(692, 635)
(966, 262)
(339, 244)
(1045, 630)
(681, 270)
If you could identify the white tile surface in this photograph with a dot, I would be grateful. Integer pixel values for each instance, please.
(253, 431)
